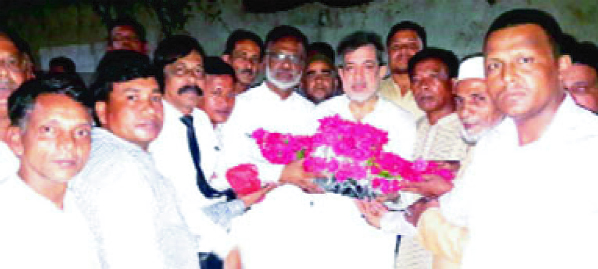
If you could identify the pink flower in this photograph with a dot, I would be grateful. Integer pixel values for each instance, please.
(243, 179)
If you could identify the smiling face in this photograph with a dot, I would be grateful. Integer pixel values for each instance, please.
(55, 141)
(361, 73)
(219, 98)
(133, 111)
(432, 85)
(474, 107)
(581, 81)
(183, 82)
(401, 47)
(13, 72)
(522, 72)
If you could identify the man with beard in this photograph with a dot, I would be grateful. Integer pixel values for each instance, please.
(126, 34)
(244, 52)
(133, 211)
(16, 68)
(404, 40)
(319, 79)
(581, 79)
(188, 134)
(273, 106)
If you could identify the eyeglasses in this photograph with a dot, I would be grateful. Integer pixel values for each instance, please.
(281, 57)
(181, 71)
(12, 63)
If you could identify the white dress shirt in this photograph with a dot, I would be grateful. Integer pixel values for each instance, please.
(133, 211)
(258, 108)
(531, 206)
(9, 163)
(35, 233)
(174, 161)
(326, 229)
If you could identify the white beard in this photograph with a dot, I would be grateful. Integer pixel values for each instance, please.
(360, 98)
(281, 84)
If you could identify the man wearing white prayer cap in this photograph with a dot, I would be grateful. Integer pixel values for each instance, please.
(478, 115)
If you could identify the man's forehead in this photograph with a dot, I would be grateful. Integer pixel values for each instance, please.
(527, 36)
(192, 58)
(319, 65)
(290, 44)
(430, 65)
(122, 29)
(7, 46)
(220, 79)
(138, 84)
(246, 45)
(470, 86)
(405, 35)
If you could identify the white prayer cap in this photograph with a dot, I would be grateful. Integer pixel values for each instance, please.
(472, 68)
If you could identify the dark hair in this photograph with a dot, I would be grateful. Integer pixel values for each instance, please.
(283, 31)
(127, 21)
(19, 43)
(321, 48)
(408, 25)
(242, 35)
(517, 17)
(585, 53)
(446, 56)
(23, 99)
(67, 64)
(216, 66)
(119, 66)
(173, 48)
(357, 40)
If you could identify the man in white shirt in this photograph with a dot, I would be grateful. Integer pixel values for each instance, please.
(510, 195)
(16, 69)
(134, 211)
(180, 60)
(273, 106)
(244, 51)
(41, 225)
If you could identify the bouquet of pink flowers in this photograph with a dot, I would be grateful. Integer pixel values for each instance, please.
(351, 153)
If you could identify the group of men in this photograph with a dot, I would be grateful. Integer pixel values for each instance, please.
(131, 172)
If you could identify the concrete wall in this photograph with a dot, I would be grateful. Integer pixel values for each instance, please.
(458, 25)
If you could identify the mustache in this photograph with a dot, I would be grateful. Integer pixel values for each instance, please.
(190, 88)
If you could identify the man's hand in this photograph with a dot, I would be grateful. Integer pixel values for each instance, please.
(258, 196)
(294, 173)
(372, 211)
(430, 186)
(415, 210)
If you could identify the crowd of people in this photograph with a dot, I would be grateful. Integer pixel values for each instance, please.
(130, 171)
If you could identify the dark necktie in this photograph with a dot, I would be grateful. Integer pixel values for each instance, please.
(202, 183)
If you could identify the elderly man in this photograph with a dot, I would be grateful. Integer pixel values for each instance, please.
(15, 69)
(126, 34)
(545, 139)
(135, 213)
(41, 225)
(404, 40)
(273, 106)
(319, 78)
(331, 220)
(244, 52)
(581, 79)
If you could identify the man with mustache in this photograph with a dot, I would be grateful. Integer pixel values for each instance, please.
(244, 52)
(273, 106)
(319, 78)
(438, 133)
(133, 211)
(41, 222)
(188, 134)
(404, 40)
(15, 68)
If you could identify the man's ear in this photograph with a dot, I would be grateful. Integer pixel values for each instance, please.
(100, 108)
(15, 141)
(564, 63)
(226, 58)
(383, 71)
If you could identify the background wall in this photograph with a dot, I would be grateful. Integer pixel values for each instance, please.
(77, 32)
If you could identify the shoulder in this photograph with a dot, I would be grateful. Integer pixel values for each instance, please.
(397, 111)
(331, 104)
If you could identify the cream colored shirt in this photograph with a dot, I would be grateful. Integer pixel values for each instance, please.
(441, 141)
(392, 92)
